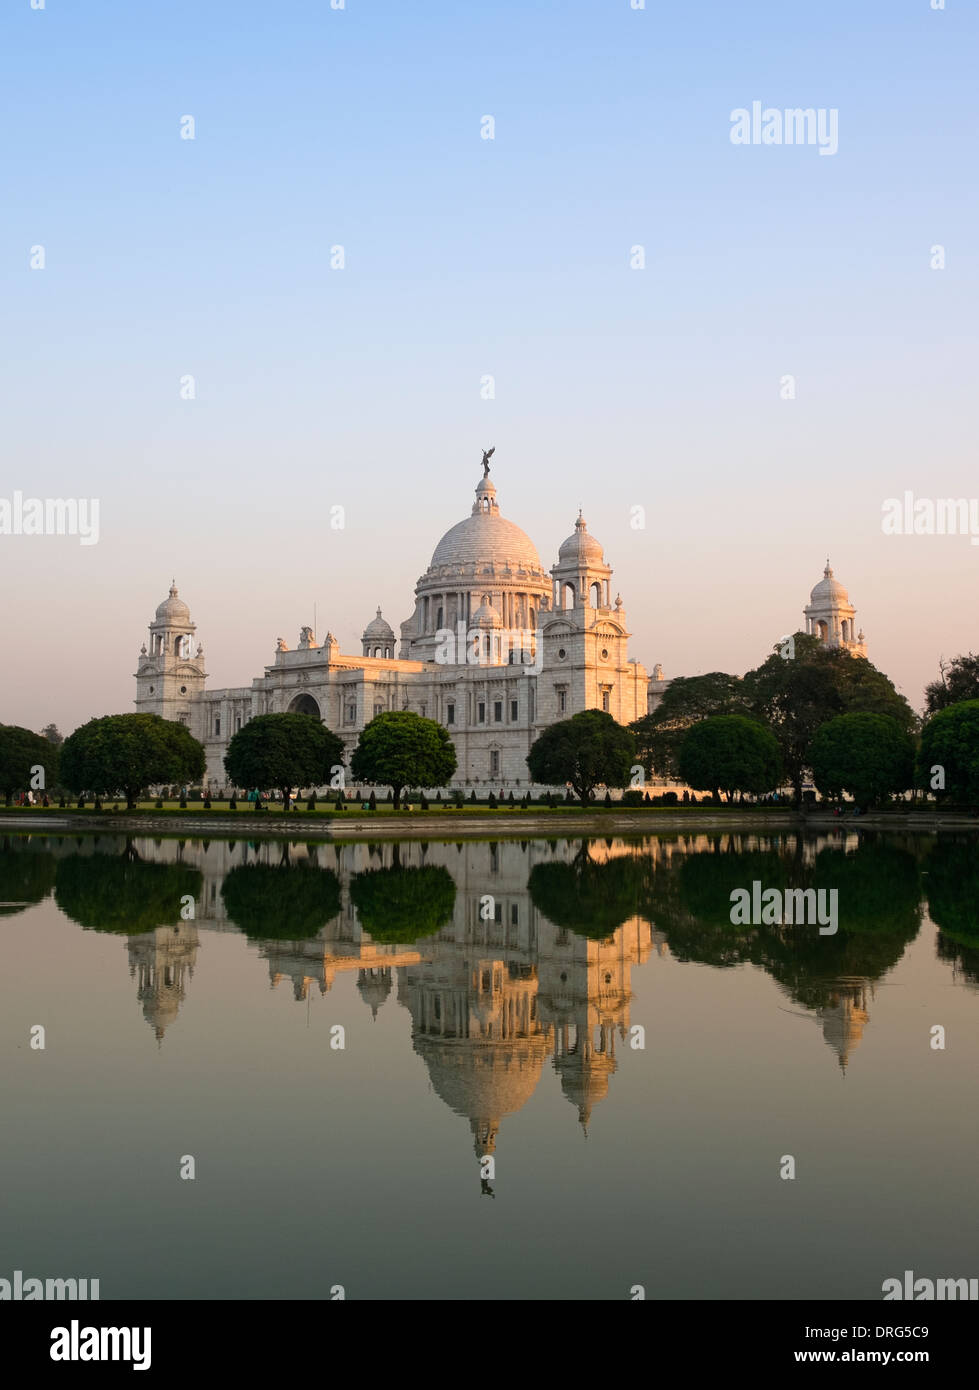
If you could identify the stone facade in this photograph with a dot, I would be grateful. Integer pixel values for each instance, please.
(496, 649)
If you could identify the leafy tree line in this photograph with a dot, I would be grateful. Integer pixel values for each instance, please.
(811, 710)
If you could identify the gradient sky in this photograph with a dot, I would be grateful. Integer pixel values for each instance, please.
(361, 387)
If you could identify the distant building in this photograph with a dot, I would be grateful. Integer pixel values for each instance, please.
(496, 649)
(831, 616)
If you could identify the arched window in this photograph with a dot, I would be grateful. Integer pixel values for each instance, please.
(304, 704)
(567, 595)
(438, 617)
(596, 595)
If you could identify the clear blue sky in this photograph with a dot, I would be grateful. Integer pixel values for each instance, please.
(464, 256)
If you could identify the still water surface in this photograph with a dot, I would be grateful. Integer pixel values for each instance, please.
(582, 1012)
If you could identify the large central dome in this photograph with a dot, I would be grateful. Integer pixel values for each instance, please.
(486, 538)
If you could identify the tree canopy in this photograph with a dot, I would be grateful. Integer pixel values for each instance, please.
(958, 680)
(868, 755)
(399, 749)
(285, 901)
(729, 753)
(948, 758)
(587, 896)
(403, 904)
(276, 752)
(126, 752)
(588, 750)
(20, 751)
(795, 695)
(123, 893)
(26, 874)
(686, 700)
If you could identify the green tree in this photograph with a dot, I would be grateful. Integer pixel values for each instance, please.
(403, 904)
(795, 694)
(686, 700)
(401, 749)
(122, 753)
(276, 752)
(958, 680)
(284, 901)
(868, 755)
(20, 752)
(953, 889)
(587, 897)
(26, 874)
(122, 892)
(730, 753)
(586, 750)
(948, 758)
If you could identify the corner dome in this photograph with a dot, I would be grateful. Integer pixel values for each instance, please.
(487, 616)
(829, 588)
(173, 609)
(379, 627)
(581, 546)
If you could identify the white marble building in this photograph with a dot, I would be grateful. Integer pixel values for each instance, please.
(496, 649)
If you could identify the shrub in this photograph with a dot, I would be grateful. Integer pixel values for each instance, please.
(159, 803)
(472, 796)
(424, 802)
(608, 798)
(633, 797)
(183, 803)
(491, 802)
(373, 801)
(207, 803)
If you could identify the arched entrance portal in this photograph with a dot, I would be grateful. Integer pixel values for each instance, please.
(304, 704)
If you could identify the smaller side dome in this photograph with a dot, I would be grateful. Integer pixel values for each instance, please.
(581, 546)
(379, 627)
(173, 609)
(487, 616)
(829, 588)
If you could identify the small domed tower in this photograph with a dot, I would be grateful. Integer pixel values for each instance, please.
(378, 638)
(830, 615)
(170, 676)
(581, 576)
(585, 639)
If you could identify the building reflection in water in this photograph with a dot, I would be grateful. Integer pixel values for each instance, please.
(499, 990)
